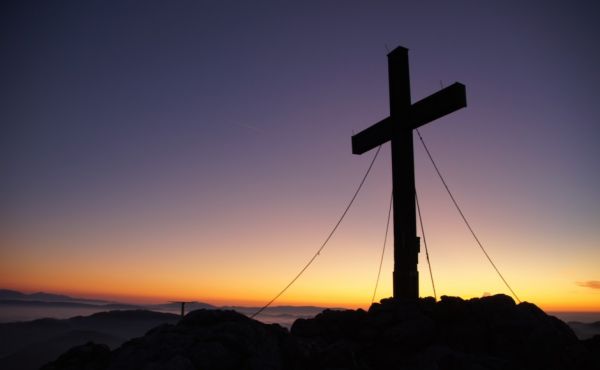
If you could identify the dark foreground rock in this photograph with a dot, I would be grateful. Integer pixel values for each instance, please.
(203, 339)
(28, 345)
(486, 333)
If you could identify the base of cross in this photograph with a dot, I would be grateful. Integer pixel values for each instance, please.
(409, 288)
(406, 275)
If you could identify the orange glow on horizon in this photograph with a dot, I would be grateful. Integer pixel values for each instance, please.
(149, 296)
(135, 267)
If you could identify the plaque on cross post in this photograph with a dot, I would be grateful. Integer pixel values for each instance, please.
(397, 128)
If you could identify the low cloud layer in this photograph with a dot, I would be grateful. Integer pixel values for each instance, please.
(594, 284)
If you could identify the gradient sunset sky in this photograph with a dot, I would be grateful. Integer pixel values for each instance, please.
(200, 150)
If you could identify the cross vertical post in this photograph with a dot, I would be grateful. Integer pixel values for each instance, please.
(406, 242)
(397, 128)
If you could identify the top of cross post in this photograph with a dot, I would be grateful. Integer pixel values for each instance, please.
(397, 52)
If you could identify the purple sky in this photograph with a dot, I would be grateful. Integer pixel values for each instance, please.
(225, 128)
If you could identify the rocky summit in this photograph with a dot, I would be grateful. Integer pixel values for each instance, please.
(482, 333)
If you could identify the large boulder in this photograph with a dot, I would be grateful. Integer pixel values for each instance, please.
(482, 333)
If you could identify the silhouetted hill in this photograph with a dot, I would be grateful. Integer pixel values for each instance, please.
(10, 294)
(72, 304)
(43, 300)
(28, 345)
(485, 333)
(6, 294)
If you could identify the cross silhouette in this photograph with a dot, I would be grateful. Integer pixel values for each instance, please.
(397, 128)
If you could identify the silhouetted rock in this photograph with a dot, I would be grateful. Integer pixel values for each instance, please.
(483, 333)
(28, 345)
(90, 356)
(32, 356)
(593, 346)
(209, 339)
(490, 332)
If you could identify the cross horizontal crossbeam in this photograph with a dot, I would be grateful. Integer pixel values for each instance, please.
(443, 102)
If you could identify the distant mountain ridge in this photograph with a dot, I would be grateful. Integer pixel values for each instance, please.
(7, 294)
(73, 303)
(42, 299)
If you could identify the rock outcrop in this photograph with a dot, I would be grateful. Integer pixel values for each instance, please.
(203, 339)
(485, 333)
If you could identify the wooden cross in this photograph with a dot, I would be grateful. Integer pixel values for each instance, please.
(182, 306)
(397, 128)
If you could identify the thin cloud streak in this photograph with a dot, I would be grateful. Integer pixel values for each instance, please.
(593, 284)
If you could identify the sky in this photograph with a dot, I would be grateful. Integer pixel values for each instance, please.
(200, 150)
